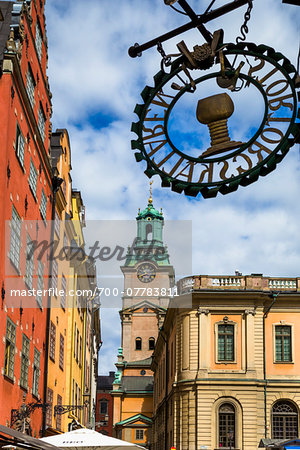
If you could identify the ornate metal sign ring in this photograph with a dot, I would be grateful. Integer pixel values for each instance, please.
(186, 131)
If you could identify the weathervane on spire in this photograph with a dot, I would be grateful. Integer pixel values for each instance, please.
(150, 188)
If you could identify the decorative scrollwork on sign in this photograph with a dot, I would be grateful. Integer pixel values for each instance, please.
(175, 118)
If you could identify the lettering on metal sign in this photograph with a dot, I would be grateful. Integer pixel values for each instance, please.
(206, 141)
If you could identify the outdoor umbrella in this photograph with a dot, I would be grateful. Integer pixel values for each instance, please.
(85, 438)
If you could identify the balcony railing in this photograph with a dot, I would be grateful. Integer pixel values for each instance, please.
(252, 282)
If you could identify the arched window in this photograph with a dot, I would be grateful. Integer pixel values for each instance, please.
(138, 343)
(227, 425)
(149, 231)
(284, 420)
(151, 343)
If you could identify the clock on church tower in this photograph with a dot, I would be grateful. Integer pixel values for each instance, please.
(148, 282)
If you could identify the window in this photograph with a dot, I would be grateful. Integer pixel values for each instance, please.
(284, 420)
(54, 276)
(75, 334)
(10, 342)
(66, 245)
(151, 343)
(52, 341)
(25, 361)
(30, 86)
(56, 224)
(65, 188)
(20, 146)
(36, 373)
(63, 288)
(172, 357)
(61, 351)
(58, 417)
(138, 343)
(42, 121)
(227, 426)
(43, 205)
(29, 263)
(77, 344)
(283, 344)
(103, 407)
(80, 351)
(38, 40)
(15, 238)
(139, 435)
(33, 178)
(225, 342)
(40, 283)
(49, 407)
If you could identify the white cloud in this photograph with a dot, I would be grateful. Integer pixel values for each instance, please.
(253, 229)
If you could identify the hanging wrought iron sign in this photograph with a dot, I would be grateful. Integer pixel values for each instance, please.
(217, 117)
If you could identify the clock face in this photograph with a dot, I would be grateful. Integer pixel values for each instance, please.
(210, 131)
(146, 272)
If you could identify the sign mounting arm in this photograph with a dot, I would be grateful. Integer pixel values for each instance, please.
(196, 22)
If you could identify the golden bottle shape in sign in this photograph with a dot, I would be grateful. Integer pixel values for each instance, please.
(214, 111)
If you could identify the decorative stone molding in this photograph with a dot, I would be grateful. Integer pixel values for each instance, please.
(250, 311)
(202, 311)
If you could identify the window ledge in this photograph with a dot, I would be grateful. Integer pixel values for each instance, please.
(225, 363)
(284, 362)
(7, 378)
(33, 193)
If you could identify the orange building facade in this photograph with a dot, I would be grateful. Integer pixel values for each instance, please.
(25, 201)
(226, 367)
(50, 342)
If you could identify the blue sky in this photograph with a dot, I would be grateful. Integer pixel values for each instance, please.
(95, 86)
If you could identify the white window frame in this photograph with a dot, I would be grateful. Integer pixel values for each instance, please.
(29, 265)
(36, 372)
(33, 177)
(40, 283)
(10, 337)
(38, 40)
(25, 362)
(15, 238)
(20, 146)
(64, 289)
(30, 86)
(137, 431)
(43, 207)
(42, 122)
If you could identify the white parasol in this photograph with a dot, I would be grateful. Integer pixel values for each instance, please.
(85, 438)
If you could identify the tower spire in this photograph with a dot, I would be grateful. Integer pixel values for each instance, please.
(150, 201)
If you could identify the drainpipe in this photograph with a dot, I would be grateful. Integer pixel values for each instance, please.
(274, 296)
(56, 182)
(166, 390)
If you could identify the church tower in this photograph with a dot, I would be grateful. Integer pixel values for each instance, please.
(148, 282)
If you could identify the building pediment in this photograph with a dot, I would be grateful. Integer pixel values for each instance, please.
(138, 419)
(280, 444)
(144, 304)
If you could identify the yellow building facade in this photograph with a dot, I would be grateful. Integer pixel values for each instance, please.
(74, 329)
(226, 367)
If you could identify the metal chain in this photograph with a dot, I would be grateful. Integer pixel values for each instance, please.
(244, 28)
(165, 59)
